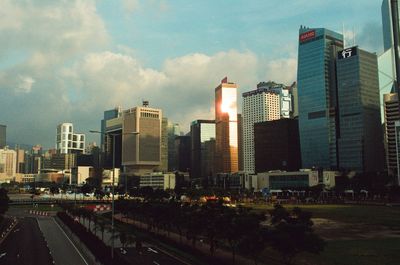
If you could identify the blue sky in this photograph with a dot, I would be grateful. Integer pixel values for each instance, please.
(68, 61)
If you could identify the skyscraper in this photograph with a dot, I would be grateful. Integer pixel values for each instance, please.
(387, 24)
(391, 114)
(141, 153)
(317, 96)
(67, 141)
(226, 149)
(164, 145)
(285, 97)
(259, 105)
(202, 132)
(173, 131)
(108, 115)
(360, 140)
(3, 129)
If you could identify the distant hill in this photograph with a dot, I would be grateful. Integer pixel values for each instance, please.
(12, 145)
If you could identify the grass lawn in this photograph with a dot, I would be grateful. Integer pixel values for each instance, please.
(356, 252)
(354, 214)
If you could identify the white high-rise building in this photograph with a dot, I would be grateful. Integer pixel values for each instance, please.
(8, 164)
(68, 142)
(259, 105)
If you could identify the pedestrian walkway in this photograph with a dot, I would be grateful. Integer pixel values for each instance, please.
(220, 254)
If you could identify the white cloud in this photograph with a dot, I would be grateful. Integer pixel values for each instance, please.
(25, 84)
(282, 70)
(69, 73)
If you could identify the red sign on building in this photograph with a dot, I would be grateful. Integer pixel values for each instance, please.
(307, 35)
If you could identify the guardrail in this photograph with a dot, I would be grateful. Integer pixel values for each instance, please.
(56, 201)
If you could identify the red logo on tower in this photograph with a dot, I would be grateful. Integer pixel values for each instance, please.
(307, 35)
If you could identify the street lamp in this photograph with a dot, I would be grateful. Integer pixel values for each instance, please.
(113, 181)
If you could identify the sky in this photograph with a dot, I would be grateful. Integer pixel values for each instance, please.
(69, 61)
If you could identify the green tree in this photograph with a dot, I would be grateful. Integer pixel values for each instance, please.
(4, 200)
(292, 233)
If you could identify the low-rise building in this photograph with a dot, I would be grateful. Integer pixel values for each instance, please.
(158, 180)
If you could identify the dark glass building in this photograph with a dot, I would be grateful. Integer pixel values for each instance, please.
(3, 135)
(183, 150)
(361, 139)
(202, 132)
(277, 145)
(317, 96)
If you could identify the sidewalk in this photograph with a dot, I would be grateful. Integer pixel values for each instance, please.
(204, 248)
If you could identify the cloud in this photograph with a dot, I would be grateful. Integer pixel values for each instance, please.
(68, 72)
(25, 84)
(282, 70)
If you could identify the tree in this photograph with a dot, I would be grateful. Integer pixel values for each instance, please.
(4, 200)
(292, 233)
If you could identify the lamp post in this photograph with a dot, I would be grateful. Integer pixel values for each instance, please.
(113, 181)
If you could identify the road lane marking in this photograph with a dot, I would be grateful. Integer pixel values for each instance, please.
(3, 254)
(71, 242)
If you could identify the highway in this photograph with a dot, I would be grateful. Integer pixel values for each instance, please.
(25, 245)
(62, 249)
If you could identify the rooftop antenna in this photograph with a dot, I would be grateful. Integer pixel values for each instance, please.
(354, 36)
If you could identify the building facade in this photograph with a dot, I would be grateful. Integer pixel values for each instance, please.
(164, 145)
(317, 96)
(201, 132)
(141, 152)
(391, 115)
(360, 140)
(3, 130)
(259, 105)
(277, 145)
(173, 130)
(67, 141)
(226, 149)
(8, 165)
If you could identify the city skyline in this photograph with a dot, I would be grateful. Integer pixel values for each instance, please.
(108, 54)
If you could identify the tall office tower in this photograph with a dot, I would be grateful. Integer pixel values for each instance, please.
(240, 142)
(183, 152)
(226, 149)
(391, 114)
(317, 94)
(285, 97)
(173, 131)
(8, 164)
(68, 142)
(277, 145)
(259, 105)
(141, 152)
(386, 60)
(201, 132)
(387, 24)
(361, 139)
(20, 160)
(3, 129)
(397, 136)
(108, 115)
(164, 145)
(295, 99)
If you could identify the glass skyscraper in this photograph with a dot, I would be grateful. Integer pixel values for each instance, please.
(360, 141)
(387, 24)
(317, 96)
(226, 132)
(203, 137)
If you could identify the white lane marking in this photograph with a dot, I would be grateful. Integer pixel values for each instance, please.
(155, 262)
(71, 242)
(3, 254)
(152, 250)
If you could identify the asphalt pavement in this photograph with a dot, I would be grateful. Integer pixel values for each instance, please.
(62, 248)
(25, 245)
